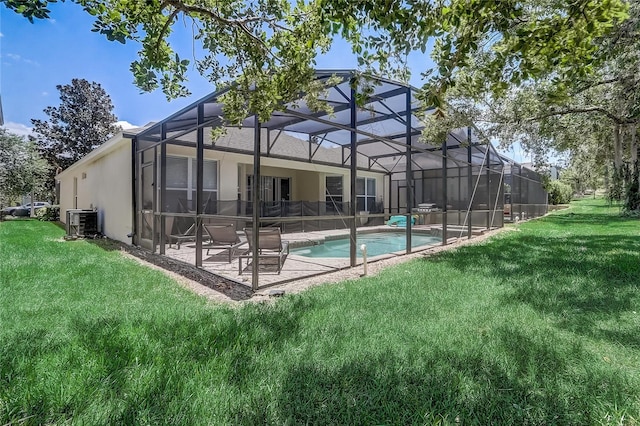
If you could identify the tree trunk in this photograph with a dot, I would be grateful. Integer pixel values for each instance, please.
(617, 148)
(634, 145)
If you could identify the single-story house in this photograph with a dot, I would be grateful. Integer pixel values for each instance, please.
(103, 180)
(301, 171)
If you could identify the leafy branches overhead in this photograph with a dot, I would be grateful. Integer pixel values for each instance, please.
(271, 45)
(512, 41)
(264, 45)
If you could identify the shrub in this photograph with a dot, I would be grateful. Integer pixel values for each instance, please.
(51, 213)
(559, 193)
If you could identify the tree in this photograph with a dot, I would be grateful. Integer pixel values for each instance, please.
(592, 117)
(499, 44)
(22, 168)
(271, 45)
(482, 49)
(559, 192)
(82, 122)
(266, 45)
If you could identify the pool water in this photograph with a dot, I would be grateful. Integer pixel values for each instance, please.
(377, 244)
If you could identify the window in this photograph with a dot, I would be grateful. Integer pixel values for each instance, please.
(272, 189)
(182, 181)
(366, 194)
(177, 172)
(209, 173)
(333, 195)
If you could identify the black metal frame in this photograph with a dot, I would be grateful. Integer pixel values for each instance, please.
(367, 141)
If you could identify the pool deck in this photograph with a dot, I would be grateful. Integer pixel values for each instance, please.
(295, 267)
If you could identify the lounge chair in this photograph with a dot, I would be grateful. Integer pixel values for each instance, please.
(176, 235)
(223, 236)
(270, 246)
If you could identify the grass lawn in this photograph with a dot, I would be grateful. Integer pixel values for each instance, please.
(536, 326)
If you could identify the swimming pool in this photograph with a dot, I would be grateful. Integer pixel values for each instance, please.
(377, 243)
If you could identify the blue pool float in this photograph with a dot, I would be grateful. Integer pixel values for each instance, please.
(399, 221)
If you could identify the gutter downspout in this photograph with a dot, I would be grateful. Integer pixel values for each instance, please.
(134, 178)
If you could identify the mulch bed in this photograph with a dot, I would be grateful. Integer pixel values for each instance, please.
(229, 288)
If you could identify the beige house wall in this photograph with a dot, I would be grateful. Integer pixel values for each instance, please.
(104, 181)
(307, 179)
(104, 184)
(308, 185)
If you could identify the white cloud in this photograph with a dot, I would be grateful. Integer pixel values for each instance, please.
(126, 125)
(1, 35)
(45, 93)
(18, 58)
(18, 128)
(24, 130)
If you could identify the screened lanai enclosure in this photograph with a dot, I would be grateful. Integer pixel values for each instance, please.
(524, 194)
(328, 182)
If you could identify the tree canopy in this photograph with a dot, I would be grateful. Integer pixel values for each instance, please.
(528, 67)
(83, 121)
(593, 116)
(22, 169)
(270, 46)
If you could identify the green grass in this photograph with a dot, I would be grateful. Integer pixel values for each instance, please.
(536, 326)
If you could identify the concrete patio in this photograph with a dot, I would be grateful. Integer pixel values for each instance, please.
(295, 267)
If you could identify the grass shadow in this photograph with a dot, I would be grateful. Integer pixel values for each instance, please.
(229, 288)
(441, 386)
(119, 371)
(581, 281)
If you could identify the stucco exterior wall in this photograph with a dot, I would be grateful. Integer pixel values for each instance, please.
(103, 181)
(307, 179)
(103, 184)
(308, 185)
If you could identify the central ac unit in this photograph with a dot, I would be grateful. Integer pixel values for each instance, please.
(82, 223)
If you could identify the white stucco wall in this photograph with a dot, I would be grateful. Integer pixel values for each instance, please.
(103, 183)
(307, 179)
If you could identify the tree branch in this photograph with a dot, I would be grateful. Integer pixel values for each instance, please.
(165, 27)
(207, 12)
(603, 111)
(238, 23)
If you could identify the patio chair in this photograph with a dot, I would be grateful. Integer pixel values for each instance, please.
(222, 236)
(270, 246)
(178, 236)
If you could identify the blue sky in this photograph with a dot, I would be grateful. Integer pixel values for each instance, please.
(34, 58)
(37, 57)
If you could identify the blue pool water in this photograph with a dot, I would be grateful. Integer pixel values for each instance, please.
(377, 244)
